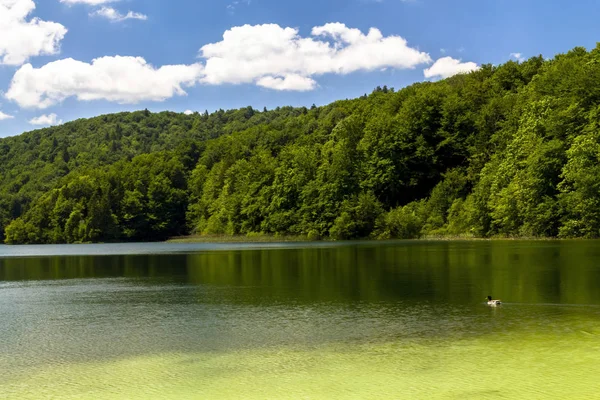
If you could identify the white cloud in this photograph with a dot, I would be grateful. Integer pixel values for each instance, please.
(447, 66)
(517, 56)
(289, 82)
(115, 16)
(188, 112)
(89, 2)
(266, 55)
(50, 119)
(21, 39)
(233, 5)
(126, 80)
(4, 116)
(279, 58)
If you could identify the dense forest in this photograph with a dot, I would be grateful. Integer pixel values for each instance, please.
(509, 151)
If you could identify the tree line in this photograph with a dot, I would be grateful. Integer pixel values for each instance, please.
(510, 151)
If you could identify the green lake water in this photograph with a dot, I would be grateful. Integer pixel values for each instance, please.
(388, 320)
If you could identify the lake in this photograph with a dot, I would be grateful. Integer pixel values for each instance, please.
(362, 320)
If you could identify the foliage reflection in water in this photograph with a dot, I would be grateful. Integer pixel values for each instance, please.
(367, 321)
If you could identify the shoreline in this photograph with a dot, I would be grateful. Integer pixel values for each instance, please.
(237, 239)
(288, 239)
(240, 239)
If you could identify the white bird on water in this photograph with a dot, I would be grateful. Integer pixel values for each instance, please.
(493, 303)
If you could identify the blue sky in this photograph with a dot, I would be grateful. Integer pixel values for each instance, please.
(274, 53)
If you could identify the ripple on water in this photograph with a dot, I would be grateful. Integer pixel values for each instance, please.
(473, 368)
(370, 322)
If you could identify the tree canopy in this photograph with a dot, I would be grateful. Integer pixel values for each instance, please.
(509, 150)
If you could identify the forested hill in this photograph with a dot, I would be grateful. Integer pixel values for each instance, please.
(512, 150)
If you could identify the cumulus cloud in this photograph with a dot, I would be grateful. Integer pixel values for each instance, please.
(517, 56)
(446, 67)
(289, 82)
(265, 55)
(279, 58)
(88, 2)
(50, 119)
(125, 80)
(188, 112)
(21, 39)
(4, 116)
(115, 16)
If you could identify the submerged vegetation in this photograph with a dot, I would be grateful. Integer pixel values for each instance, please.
(510, 150)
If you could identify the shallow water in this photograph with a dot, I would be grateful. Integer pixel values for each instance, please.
(301, 321)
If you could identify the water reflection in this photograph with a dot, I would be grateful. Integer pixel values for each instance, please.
(405, 318)
(454, 272)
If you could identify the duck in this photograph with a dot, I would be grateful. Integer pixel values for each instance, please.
(493, 303)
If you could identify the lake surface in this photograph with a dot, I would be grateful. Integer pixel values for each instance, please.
(388, 320)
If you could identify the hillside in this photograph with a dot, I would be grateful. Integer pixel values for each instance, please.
(510, 150)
